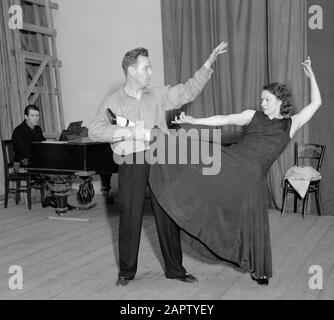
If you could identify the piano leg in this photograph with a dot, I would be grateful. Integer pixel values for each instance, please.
(86, 191)
(61, 186)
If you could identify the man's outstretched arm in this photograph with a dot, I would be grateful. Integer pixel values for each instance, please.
(179, 95)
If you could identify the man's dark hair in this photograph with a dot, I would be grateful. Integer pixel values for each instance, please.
(30, 107)
(130, 58)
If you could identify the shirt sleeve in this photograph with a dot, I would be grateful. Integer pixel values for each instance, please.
(179, 95)
(101, 130)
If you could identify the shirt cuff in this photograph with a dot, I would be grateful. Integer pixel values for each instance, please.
(147, 135)
(205, 72)
(207, 68)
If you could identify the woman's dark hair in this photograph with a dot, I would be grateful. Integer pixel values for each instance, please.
(281, 92)
(30, 107)
(130, 58)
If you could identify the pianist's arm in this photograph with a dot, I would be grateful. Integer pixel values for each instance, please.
(102, 130)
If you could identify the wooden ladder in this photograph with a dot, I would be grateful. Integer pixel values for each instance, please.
(35, 61)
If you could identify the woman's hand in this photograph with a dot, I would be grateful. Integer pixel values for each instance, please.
(222, 48)
(308, 68)
(184, 119)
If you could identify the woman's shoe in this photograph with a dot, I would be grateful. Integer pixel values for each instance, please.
(262, 281)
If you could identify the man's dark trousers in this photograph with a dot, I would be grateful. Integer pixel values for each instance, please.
(132, 181)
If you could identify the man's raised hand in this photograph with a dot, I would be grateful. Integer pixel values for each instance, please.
(222, 48)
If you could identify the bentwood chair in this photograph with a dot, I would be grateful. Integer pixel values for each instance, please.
(309, 154)
(13, 180)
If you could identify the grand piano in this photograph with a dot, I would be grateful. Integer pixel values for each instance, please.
(60, 162)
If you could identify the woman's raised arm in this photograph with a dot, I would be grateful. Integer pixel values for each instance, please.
(299, 119)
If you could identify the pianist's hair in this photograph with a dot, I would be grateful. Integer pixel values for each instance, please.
(282, 93)
(130, 58)
(30, 107)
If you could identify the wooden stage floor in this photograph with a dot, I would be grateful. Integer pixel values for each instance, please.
(78, 260)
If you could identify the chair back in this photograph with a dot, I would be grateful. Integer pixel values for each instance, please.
(309, 154)
(8, 155)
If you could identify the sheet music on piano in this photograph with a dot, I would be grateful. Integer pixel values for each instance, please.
(73, 131)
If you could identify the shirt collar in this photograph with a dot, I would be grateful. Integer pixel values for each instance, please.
(124, 95)
(27, 126)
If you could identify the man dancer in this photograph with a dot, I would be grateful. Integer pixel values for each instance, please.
(139, 104)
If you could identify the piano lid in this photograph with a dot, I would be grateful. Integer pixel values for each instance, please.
(79, 155)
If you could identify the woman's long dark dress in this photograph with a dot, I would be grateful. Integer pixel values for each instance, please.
(228, 212)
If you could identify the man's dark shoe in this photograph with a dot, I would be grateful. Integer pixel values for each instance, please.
(186, 278)
(122, 281)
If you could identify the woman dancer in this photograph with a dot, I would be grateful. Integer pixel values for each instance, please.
(231, 216)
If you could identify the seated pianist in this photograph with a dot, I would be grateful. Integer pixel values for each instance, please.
(23, 136)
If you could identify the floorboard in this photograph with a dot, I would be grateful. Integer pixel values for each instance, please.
(72, 260)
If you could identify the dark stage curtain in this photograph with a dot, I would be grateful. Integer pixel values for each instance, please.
(321, 49)
(267, 42)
